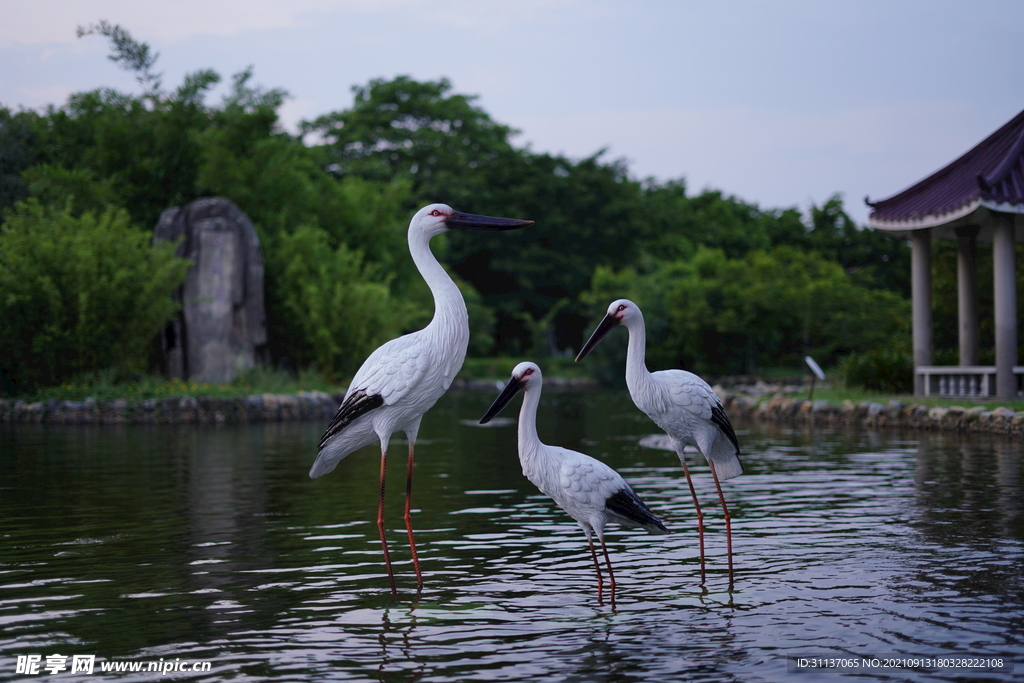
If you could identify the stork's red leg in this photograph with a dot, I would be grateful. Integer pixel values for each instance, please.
(611, 577)
(597, 566)
(408, 518)
(380, 519)
(700, 515)
(728, 521)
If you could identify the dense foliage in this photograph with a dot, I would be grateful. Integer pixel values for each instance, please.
(887, 370)
(79, 294)
(329, 289)
(726, 286)
(726, 315)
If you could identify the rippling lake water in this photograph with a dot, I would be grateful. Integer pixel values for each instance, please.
(210, 543)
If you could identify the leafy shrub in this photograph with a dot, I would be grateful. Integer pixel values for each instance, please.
(341, 305)
(717, 315)
(79, 294)
(888, 370)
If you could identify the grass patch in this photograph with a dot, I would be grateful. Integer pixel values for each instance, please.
(838, 394)
(782, 373)
(106, 385)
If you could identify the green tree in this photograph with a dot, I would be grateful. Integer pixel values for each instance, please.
(79, 189)
(162, 148)
(342, 305)
(729, 285)
(144, 149)
(451, 150)
(680, 223)
(713, 314)
(588, 214)
(79, 294)
(418, 131)
(20, 148)
(128, 52)
(871, 257)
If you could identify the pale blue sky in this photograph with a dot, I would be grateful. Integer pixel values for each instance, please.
(780, 103)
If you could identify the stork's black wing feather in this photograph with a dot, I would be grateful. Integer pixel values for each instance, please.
(719, 417)
(358, 403)
(626, 503)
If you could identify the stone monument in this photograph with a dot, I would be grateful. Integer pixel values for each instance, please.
(222, 327)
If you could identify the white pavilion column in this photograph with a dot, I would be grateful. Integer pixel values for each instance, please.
(967, 292)
(1004, 281)
(921, 301)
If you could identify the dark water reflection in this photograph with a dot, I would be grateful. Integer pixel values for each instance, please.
(142, 543)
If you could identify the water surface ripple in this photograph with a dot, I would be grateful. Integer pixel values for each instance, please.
(210, 543)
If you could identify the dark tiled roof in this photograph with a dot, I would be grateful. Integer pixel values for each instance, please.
(992, 172)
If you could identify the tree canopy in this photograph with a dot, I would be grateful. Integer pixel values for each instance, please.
(726, 285)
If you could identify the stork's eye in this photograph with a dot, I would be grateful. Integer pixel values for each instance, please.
(529, 371)
(621, 308)
(435, 212)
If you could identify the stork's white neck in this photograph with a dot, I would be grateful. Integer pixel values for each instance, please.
(449, 306)
(529, 442)
(637, 375)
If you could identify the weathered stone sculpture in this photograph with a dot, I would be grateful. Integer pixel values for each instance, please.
(222, 324)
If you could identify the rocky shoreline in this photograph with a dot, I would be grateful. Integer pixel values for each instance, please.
(774, 403)
(871, 415)
(304, 405)
(762, 402)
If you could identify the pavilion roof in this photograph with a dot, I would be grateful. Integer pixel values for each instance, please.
(991, 175)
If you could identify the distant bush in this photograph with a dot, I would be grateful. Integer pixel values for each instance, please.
(716, 315)
(888, 370)
(341, 306)
(79, 294)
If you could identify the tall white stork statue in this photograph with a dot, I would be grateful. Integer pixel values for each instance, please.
(682, 404)
(591, 492)
(404, 377)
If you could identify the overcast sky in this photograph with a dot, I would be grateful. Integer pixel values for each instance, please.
(780, 103)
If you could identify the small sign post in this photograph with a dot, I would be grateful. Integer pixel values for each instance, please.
(818, 374)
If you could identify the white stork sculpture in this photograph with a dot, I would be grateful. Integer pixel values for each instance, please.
(682, 404)
(403, 378)
(591, 492)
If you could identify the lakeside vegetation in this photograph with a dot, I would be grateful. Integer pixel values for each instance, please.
(839, 393)
(727, 287)
(104, 386)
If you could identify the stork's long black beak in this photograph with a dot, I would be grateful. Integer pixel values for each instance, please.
(471, 221)
(607, 325)
(510, 390)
